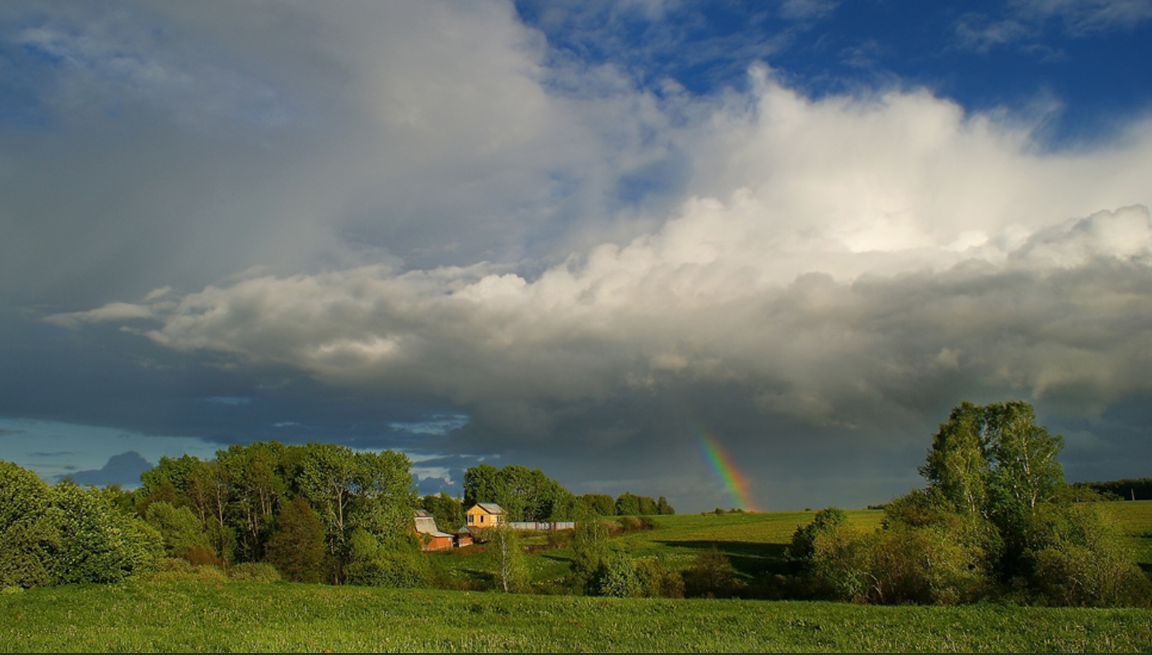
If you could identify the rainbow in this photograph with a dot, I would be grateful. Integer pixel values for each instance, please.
(733, 480)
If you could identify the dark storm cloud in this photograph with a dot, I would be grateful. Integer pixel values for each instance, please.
(423, 226)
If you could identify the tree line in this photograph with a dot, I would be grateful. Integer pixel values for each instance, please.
(314, 513)
(530, 495)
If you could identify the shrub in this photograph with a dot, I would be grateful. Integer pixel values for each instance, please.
(710, 576)
(658, 581)
(1082, 560)
(397, 563)
(254, 572)
(617, 577)
(175, 569)
(804, 538)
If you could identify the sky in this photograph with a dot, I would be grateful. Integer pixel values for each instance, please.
(732, 253)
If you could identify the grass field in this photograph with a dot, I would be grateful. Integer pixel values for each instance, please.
(196, 617)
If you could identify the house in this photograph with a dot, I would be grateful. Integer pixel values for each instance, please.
(485, 515)
(433, 539)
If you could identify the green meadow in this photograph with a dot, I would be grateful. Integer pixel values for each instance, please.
(214, 616)
(251, 617)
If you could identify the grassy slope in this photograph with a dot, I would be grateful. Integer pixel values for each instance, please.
(754, 543)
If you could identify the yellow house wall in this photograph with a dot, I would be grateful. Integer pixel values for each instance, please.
(479, 518)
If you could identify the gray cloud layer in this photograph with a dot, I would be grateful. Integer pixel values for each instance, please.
(416, 201)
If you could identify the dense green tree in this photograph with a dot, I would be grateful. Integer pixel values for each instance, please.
(481, 484)
(663, 508)
(29, 528)
(803, 544)
(589, 549)
(524, 494)
(296, 546)
(448, 512)
(711, 575)
(396, 563)
(256, 492)
(616, 576)
(601, 504)
(627, 504)
(181, 531)
(98, 543)
(958, 464)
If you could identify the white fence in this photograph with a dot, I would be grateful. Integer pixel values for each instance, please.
(542, 525)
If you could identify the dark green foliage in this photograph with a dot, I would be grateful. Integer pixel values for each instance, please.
(396, 563)
(1079, 558)
(448, 512)
(1126, 489)
(181, 531)
(627, 504)
(601, 504)
(29, 532)
(296, 546)
(525, 494)
(616, 576)
(804, 539)
(710, 576)
(589, 549)
(657, 580)
(97, 542)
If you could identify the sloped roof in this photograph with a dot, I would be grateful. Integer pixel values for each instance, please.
(491, 508)
(427, 525)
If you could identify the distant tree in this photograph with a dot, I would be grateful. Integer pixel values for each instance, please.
(663, 508)
(601, 504)
(627, 504)
(647, 506)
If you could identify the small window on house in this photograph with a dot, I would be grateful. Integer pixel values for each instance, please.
(481, 518)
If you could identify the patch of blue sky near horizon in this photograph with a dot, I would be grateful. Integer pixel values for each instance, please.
(54, 449)
(1076, 69)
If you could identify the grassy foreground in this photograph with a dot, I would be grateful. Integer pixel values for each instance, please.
(251, 617)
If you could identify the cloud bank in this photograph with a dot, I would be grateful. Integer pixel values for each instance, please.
(432, 202)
